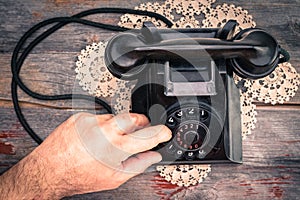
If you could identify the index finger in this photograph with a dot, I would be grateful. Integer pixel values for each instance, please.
(145, 139)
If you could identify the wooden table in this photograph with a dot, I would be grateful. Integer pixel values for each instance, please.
(271, 168)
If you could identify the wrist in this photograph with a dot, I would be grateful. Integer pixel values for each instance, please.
(50, 185)
(56, 167)
(54, 174)
(27, 180)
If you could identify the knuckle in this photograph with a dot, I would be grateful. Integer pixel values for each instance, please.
(109, 133)
(124, 148)
(84, 118)
(119, 180)
(76, 116)
(119, 144)
(95, 130)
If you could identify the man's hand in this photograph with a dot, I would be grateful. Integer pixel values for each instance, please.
(86, 153)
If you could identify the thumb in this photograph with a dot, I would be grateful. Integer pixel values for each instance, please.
(139, 163)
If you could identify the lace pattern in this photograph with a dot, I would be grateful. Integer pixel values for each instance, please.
(218, 16)
(95, 78)
(184, 175)
(92, 74)
(281, 85)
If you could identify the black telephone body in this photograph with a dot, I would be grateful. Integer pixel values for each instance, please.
(185, 81)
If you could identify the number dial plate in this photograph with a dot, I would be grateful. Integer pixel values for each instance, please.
(190, 132)
(191, 135)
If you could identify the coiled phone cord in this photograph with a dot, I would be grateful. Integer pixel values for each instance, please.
(18, 60)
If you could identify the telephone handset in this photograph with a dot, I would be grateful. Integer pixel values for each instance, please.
(252, 53)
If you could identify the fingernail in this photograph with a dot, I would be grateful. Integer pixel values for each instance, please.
(134, 118)
(157, 158)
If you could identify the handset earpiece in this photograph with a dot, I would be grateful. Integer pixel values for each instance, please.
(121, 59)
(248, 67)
(260, 63)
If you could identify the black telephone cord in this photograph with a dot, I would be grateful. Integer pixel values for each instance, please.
(17, 61)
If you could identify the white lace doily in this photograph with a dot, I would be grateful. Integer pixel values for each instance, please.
(218, 16)
(92, 73)
(248, 114)
(278, 87)
(95, 78)
(184, 175)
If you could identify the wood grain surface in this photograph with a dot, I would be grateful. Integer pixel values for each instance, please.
(271, 168)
